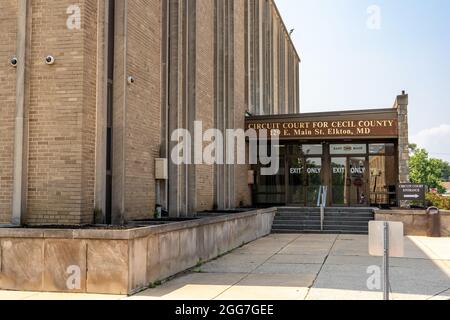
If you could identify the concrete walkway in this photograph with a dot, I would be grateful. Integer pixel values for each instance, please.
(302, 267)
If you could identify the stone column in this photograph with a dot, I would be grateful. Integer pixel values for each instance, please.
(401, 104)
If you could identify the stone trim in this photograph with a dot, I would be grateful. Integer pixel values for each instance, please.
(130, 234)
(120, 262)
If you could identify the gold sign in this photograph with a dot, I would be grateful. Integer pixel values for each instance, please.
(326, 129)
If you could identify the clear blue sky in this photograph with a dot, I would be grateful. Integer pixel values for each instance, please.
(347, 65)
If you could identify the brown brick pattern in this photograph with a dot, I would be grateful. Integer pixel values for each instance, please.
(61, 114)
(8, 26)
(211, 69)
(272, 62)
(143, 115)
(205, 96)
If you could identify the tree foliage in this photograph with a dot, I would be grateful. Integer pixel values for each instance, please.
(426, 170)
(445, 171)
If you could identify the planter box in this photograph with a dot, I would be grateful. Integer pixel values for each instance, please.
(120, 262)
(416, 222)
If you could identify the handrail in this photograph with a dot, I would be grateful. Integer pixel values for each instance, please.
(319, 197)
(323, 203)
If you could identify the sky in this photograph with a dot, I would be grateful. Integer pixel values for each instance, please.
(359, 54)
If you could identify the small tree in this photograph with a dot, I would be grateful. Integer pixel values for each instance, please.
(445, 166)
(424, 170)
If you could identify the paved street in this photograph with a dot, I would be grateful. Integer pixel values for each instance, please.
(302, 267)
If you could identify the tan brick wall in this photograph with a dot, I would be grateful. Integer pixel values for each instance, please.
(61, 114)
(205, 95)
(61, 108)
(90, 20)
(8, 26)
(143, 115)
(272, 63)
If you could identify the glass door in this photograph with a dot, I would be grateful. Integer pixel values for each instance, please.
(313, 180)
(304, 175)
(339, 181)
(296, 177)
(358, 181)
(349, 181)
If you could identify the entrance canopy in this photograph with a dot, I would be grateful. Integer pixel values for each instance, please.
(355, 154)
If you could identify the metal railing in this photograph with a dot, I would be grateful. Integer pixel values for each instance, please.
(322, 203)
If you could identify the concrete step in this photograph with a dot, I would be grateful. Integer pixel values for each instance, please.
(317, 226)
(326, 212)
(287, 231)
(332, 218)
(328, 209)
(329, 218)
(299, 216)
(337, 220)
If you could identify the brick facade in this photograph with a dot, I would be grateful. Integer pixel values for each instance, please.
(208, 74)
(143, 102)
(243, 190)
(205, 97)
(8, 25)
(61, 115)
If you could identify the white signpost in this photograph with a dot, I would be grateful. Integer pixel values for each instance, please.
(386, 239)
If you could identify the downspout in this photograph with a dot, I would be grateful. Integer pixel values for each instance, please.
(20, 107)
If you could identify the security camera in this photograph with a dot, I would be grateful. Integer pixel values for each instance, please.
(14, 62)
(50, 60)
(131, 80)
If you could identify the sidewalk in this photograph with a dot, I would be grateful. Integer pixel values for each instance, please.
(301, 267)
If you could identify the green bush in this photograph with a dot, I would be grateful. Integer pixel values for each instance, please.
(439, 201)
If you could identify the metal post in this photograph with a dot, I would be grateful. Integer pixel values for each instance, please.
(386, 262)
(319, 197)
(323, 202)
(322, 216)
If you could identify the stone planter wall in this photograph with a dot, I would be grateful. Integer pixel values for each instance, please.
(416, 222)
(119, 262)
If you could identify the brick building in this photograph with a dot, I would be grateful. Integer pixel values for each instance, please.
(92, 92)
(80, 134)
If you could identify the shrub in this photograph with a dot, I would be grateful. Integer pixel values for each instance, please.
(439, 201)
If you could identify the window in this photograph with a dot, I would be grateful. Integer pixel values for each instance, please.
(383, 177)
(382, 149)
(272, 189)
(313, 149)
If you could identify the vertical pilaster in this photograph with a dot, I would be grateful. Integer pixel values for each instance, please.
(181, 91)
(225, 94)
(401, 105)
(19, 141)
(102, 112)
(119, 112)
